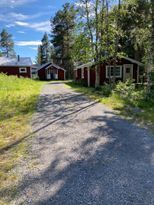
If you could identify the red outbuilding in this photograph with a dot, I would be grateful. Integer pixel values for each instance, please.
(18, 66)
(51, 71)
(121, 69)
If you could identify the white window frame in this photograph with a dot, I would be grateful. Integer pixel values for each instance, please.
(23, 70)
(112, 66)
(82, 73)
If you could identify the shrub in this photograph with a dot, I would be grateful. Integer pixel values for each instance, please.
(125, 89)
(82, 82)
(128, 92)
(107, 90)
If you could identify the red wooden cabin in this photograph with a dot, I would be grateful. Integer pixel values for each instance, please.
(20, 66)
(50, 71)
(124, 68)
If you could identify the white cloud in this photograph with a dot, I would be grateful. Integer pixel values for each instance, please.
(38, 26)
(13, 16)
(20, 23)
(27, 43)
(14, 3)
(22, 32)
(10, 25)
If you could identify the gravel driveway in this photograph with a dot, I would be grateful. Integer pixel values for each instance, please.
(84, 154)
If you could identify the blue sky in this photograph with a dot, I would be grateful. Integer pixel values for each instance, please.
(27, 20)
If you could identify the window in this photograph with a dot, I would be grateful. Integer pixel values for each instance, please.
(114, 71)
(23, 70)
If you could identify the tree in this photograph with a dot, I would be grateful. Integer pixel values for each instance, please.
(45, 49)
(152, 32)
(94, 15)
(6, 43)
(81, 52)
(62, 37)
(134, 25)
(39, 55)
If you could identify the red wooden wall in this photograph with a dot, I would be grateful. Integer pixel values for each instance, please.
(9, 70)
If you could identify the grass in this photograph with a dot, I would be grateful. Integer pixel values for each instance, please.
(18, 99)
(141, 111)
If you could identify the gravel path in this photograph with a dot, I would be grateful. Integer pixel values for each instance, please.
(83, 154)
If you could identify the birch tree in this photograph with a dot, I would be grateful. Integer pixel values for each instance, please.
(94, 15)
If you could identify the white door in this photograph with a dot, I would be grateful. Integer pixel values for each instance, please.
(48, 74)
(128, 72)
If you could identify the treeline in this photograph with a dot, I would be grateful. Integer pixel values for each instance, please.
(95, 30)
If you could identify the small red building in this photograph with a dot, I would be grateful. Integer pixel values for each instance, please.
(19, 66)
(124, 68)
(51, 71)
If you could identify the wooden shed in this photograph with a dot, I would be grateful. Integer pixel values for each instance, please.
(51, 71)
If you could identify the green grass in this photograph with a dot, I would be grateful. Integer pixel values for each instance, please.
(144, 115)
(18, 99)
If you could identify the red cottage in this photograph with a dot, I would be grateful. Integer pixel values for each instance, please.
(51, 71)
(124, 68)
(20, 66)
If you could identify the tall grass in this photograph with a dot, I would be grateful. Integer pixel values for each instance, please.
(18, 97)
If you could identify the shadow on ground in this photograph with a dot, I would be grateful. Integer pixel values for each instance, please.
(112, 164)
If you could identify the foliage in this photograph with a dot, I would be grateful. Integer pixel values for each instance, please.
(135, 26)
(6, 43)
(81, 51)
(106, 90)
(128, 92)
(17, 103)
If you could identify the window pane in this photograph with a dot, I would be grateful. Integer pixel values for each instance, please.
(112, 71)
(117, 71)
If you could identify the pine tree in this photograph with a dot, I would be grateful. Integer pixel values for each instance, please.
(45, 49)
(6, 43)
(62, 37)
(38, 58)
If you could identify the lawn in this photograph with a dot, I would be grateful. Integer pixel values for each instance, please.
(18, 99)
(140, 111)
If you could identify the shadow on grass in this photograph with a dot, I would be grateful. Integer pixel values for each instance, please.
(47, 101)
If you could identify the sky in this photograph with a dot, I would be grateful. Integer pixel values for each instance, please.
(27, 21)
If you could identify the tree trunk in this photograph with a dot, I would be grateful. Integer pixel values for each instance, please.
(152, 32)
(97, 76)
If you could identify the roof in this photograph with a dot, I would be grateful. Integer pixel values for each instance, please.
(47, 65)
(133, 61)
(85, 65)
(23, 61)
(89, 64)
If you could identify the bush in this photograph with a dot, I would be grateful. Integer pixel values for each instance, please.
(125, 89)
(107, 90)
(82, 82)
(128, 92)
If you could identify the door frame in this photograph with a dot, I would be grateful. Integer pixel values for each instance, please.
(124, 71)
